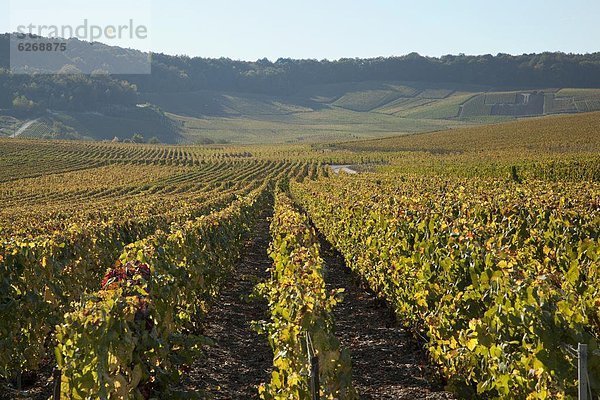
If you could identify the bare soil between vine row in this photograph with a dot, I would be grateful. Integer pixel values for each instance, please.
(240, 359)
(387, 362)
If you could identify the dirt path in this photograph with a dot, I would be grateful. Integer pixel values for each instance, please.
(241, 358)
(38, 386)
(387, 363)
(343, 168)
(24, 127)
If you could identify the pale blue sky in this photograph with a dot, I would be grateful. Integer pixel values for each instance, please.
(333, 29)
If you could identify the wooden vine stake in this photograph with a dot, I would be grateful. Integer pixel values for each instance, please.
(582, 354)
(315, 386)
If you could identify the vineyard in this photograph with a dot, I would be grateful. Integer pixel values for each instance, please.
(499, 277)
(456, 264)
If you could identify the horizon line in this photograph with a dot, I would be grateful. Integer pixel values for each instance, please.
(416, 53)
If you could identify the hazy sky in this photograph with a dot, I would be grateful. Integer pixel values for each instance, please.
(333, 29)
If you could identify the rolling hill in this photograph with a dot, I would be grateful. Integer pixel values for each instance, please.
(357, 110)
(332, 112)
(197, 100)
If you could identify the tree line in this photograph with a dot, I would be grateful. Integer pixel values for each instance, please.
(287, 76)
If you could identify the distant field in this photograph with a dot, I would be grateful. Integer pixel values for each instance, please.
(404, 105)
(347, 111)
(318, 113)
(475, 107)
(446, 109)
(38, 130)
(435, 93)
(506, 97)
(580, 93)
(325, 125)
(366, 100)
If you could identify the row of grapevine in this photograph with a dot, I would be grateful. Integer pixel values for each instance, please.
(301, 324)
(125, 340)
(503, 278)
(40, 276)
(23, 158)
(77, 197)
(575, 169)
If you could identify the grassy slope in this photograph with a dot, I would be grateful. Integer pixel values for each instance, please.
(318, 113)
(324, 125)
(106, 127)
(348, 111)
(97, 126)
(334, 112)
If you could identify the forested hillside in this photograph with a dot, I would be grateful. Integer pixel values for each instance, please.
(200, 100)
(285, 76)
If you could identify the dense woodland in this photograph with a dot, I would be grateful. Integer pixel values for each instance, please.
(285, 76)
